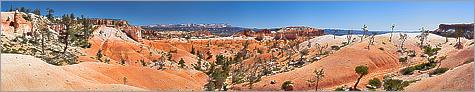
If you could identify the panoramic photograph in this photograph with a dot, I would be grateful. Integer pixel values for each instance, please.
(396, 45)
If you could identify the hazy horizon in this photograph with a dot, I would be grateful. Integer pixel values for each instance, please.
(274, 14)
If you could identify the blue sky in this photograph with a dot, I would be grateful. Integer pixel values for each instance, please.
(378, 15)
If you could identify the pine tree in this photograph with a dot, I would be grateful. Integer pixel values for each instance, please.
(99, 55)
(50, 15)
(182, 63)
(362, 71)
(192, 50)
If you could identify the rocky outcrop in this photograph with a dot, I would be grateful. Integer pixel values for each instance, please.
(451, 28)
(14, 22)
(108, 22)
(287, 33)
(134, 32)
(292, 33)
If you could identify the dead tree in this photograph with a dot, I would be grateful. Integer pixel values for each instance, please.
(459, 34)
(402, 38)
(371, 40)
(348, 37)
(392, 30)
(365, 29)
(423, 36)
(319, 74)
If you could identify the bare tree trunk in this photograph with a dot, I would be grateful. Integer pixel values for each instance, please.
(316, 86)
(66, 42)
(391, 35)
(356, 84)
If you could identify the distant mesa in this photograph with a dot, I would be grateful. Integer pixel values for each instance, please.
(286, 33)
(451, 28)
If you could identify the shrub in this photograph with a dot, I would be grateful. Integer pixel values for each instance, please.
(210, 86)
(402, 59)
(334, 47)
(381, 48)
(84, 44)
(122, 61)
(99, 55)
(394, 85)
(408, 70)
(375, 82)
(266, 71)
(107, 60)
(439, 71)
(425, 66)
(287, 86)
(259, 51)
(411, 53)
(340, 89)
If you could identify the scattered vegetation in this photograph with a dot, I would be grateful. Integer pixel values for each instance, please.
(423, 66)
(394, 85)
(439, 71)
(218, 72)
(375, 82)
(335, 47)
